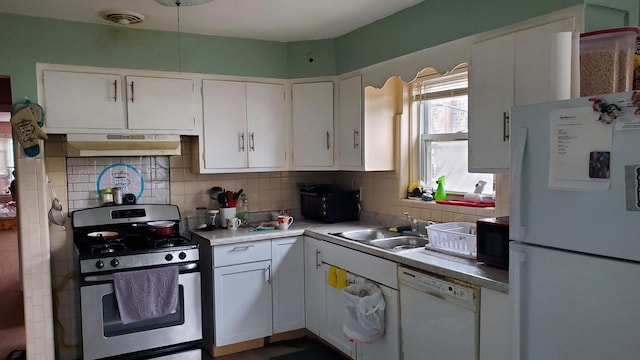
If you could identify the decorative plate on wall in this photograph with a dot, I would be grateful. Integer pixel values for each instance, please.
(124, 176)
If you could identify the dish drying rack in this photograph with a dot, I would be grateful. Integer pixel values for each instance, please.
(455, 238)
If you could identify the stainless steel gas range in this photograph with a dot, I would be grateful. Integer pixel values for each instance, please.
(117, 244)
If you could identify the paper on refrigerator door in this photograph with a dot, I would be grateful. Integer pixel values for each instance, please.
(580, 151)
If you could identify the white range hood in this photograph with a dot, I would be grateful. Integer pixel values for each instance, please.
(122, 145)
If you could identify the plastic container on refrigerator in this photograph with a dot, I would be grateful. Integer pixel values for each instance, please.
(607, 60)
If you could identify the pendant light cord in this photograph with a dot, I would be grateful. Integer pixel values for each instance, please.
(179, 44)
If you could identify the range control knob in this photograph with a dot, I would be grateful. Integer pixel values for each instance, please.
(168, 257)
(115, 262)
(99, 264)
(182, 255)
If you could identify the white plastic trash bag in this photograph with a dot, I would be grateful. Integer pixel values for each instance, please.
(364, 312)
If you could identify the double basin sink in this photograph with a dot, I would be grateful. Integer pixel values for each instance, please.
(384, 239)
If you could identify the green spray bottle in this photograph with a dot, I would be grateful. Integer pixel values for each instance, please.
(441, 194)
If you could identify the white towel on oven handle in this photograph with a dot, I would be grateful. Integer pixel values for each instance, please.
(146, 294)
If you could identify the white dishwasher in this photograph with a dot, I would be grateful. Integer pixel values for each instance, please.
(438, 318)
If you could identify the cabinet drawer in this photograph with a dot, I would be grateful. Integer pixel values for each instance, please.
(239, 253)
(382, 271)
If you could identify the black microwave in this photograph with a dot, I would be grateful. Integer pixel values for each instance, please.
(492, 237)
(328, 204)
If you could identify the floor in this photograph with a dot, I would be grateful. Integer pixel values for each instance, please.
(12, 334)
(280, 348)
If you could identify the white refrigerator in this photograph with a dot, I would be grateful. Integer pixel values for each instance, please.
(574, 272)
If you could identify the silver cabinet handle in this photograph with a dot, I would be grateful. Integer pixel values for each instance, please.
(505, 126)
(355, 138)
(115, 90)
(253, 143)
(318, 263)
(132, 92)
(268, 273)
(242, 248)
(328, 140)
(242, 142)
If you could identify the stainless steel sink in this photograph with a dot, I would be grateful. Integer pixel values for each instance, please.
(367, 234)
(400, 243)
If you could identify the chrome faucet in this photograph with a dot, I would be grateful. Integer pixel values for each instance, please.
(413, 223)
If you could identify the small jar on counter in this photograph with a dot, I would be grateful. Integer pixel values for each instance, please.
(201, 216)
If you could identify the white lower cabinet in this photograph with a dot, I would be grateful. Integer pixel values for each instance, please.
(258, 289)
(360, 267)
(334, 333)
(242, 302)
(389, 346)
(494, 325)
(314, 287)
(287, 261)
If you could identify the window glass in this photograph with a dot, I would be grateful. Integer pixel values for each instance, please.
(441, 103)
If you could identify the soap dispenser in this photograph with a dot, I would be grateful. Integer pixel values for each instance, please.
(441, 194)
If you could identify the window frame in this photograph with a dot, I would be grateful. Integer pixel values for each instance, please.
(418, 95)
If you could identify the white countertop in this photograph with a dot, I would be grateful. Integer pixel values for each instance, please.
(426, 260)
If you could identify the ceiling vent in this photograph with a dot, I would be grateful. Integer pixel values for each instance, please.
(122, 17)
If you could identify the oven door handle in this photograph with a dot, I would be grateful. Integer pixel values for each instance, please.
(109, 277)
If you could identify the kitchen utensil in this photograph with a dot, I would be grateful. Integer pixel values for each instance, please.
(222, 199)
(162, 228)
(103, 235)
(236, 196)
(214, 191)
(56, 215)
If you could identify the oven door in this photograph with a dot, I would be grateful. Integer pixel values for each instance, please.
(103, 333)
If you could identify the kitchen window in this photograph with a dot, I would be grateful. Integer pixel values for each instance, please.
(440, 104)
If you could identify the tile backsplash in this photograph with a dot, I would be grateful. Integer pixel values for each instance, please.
(147, 177)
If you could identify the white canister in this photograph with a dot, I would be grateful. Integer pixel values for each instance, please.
(226, 213)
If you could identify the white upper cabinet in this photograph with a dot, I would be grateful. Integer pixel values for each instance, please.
(366, 142)
(80, 102)
(83, 101)
(160, 103)
(266, 122)
(350, 105)
(313, 135)
(224, 129)
(244, 126)
(519, 68)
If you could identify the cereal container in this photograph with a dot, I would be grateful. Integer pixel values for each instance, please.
(607, 60)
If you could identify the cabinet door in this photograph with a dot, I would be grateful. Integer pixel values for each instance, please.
(313, 124)
(160, 104)
(266, 125)
(335, 319)
(520, 68)
(83, 101)
(491, 94)
(494, 325)
(242, 302)
(542, 69)
(314, 287)
(351, 122)
(288, 284)
(389, 346)
(224, 124)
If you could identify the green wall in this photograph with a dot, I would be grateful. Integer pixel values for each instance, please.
(431, 23)
(27, 40)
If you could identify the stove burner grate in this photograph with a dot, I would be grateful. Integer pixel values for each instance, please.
(107, 248)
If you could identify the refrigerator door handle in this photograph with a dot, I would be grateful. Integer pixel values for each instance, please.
(518, 144)
(516, 260)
